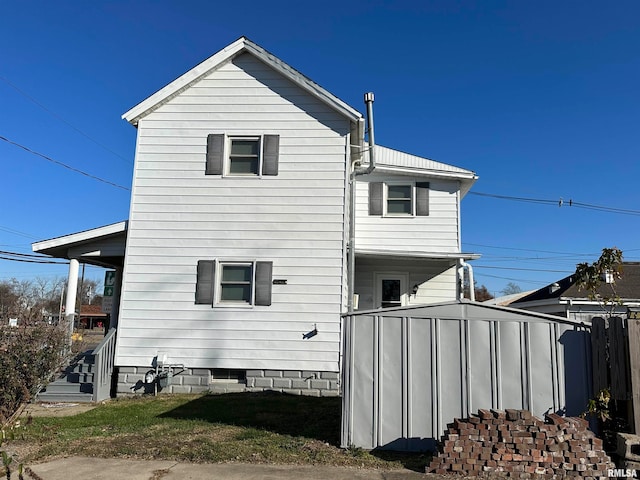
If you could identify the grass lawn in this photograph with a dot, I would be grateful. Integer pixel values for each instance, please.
(263, 427)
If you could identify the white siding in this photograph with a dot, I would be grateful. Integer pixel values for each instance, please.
(436, 233)
(179, 215)
(436, 280)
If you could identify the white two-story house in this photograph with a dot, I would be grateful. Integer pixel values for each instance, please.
(244, 245)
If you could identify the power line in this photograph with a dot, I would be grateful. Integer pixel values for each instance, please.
(52, 113)
(560, 202)
(16, 232)
(523, 269)
(25, 260)
(73, 169)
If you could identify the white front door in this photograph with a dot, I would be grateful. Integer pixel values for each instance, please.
(391, 290)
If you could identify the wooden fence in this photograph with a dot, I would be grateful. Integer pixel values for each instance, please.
(615, 347)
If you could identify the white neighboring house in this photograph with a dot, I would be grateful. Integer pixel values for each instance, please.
(237, 257)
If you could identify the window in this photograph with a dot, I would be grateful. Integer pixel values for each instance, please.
(391, 289)
(399, 199)
(233, 283)
(390, 293)
(244, 156)
(228, 375)
(251, 155)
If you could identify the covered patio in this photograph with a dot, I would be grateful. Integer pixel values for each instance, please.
(102, 247)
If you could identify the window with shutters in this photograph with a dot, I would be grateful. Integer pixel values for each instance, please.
(233, 283)
(251, 155)
(398, 199)
(244, 156)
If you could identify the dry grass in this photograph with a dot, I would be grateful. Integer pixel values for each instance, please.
(249, 427)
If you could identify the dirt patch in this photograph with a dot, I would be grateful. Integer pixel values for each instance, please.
(55, 409)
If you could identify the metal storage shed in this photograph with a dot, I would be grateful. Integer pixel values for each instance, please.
(409, 371)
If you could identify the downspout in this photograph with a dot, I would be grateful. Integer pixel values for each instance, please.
(472, 292)
(368, 100)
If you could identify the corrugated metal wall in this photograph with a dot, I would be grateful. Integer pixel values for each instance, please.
(408, 372)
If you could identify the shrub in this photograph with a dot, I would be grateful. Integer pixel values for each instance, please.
(28, 356)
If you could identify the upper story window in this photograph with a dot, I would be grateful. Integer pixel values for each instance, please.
(251, 155)
(399, 199)
(244, 156)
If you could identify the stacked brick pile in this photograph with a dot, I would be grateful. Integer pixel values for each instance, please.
(516, 444)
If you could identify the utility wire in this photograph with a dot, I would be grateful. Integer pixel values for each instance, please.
(32, 261)
(27, 255)
(560, 202)
(73, 169)
(519, 269)
(16, 232)
(52, 113)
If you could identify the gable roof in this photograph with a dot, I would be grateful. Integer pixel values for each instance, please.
(240, 46)
(627, 287)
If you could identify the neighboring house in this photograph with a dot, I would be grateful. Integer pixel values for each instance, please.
(237, 262)
(564, 299)
(90, 316)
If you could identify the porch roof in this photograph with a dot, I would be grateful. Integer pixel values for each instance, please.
(103, 246)
(415, 254)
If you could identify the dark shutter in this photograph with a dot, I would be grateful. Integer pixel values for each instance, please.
(263, 283)
(215, 154)
(271, 153)
(205, 282)
(375, 198)
(422, 198)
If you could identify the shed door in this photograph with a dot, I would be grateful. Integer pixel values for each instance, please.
(391, 290)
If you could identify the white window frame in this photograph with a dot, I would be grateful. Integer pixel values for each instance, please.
(412, 189)
(227, 156)
(218, 302)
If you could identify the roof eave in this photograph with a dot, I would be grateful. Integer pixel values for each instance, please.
(466, 179)
(73, 238)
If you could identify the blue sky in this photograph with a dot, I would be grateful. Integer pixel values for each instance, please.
(539, 98)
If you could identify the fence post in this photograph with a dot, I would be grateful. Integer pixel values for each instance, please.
(634, 369)
(618, 354)
(599, 354)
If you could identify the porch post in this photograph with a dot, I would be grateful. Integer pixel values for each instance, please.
(115, 308)
(72, 290)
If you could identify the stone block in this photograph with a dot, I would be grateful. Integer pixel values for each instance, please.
(292, 374)
(311, 393)
(291, 391)
(192, 380)
(255, 373)
(301, 384)
(180, 389)
(263, 382)
(320, 384)
(281, 383)
(329, 375)
(628, 446)
(199, 389)
(273, 373)
(329, 393)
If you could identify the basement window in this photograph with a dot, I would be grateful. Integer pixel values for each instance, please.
(228, 375)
